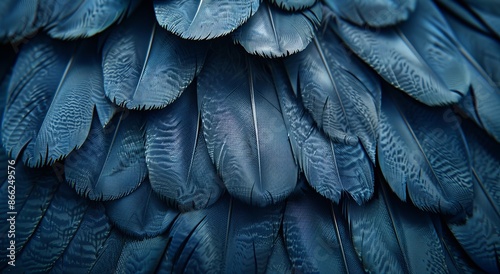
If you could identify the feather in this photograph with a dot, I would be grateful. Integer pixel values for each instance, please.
(82, 251)
(393, 237)
(180, 169)
(423, 156)
(33, 191)
(36, 76)
(141, 213)
(54, 232)
(141, 256)
(244, 129)
(273, 32)
(17, 19)
(487, 11)
(381, 13)
(316, 235)
(111, 163)
(279, 262)
(145, 66)
(109, 253)
(419, 56)
(338, 90)
(203, 19)
(480, 235)
(293, 5)
(228, 237)
(329, 167)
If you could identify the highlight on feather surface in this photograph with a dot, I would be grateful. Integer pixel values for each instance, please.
(252, 136)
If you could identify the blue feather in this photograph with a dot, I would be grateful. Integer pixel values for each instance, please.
(419, 57)
(487, 11)
(338, 90)
(141, 213)
(82, 251)
(180, 169)
(480, 235)
(228, 237)
(393, 237)
(293, 5)
(142, 256)
(423, 156)
(272, 32)
(244, 129)
(111, 163)
(279, 261)
(145, 66)
(381, 13)
(203, 19)
(316, 235)
(17, 20)
(329, 167)
(109, 253)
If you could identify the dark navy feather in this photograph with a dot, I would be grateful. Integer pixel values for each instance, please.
(141, 256)
(145, 66)
(419, 56)
(111, 163)
(180, 169)
(273, 32)
(109, 253)
(379, 13)
(279, 261)
(17, 20)
(244, 129)
(141, 213)
(330, 168)
(338, 90)
(437, 180)
(202, 19)
(293, 5)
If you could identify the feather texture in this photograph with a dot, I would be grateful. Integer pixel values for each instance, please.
(293, 5)
(418, 57)
(179, 166)
(109, 253)
(145, 66)
(272, 32)
(244, 129)
(111, 163)
(329, 167)
(480, 235)
(203, 19)
(17, 19)
(142, 256)
(141, 213)
(437, 180)
(380, 13)
(316, 236)
(392, 237)
(339, 92)
(225, 238)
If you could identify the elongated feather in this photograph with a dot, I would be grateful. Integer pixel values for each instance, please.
(381, 13)
(330, 168)
(294, 5)
(244, 129)
(423, 156)
(34, 81)
(338, 90)
(316, 235)
(480, 235)
(82, 251)
(109, 253)
(487, 11)
(33, 190)
(393, 237)
(142, 256)
(111, 163)
(272, 32)
(202, 19)
(419, 57)
(180, 169)
(279, 262)
(228, 237)
(141, 213)
(54, 232)
(145, 66)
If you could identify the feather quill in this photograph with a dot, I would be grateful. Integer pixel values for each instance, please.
(180, 169)
(423, 156)
(244, 129)
(201, 19)
(273, 32)
(145, 66)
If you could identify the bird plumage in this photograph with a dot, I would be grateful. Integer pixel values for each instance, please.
(273, 136)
